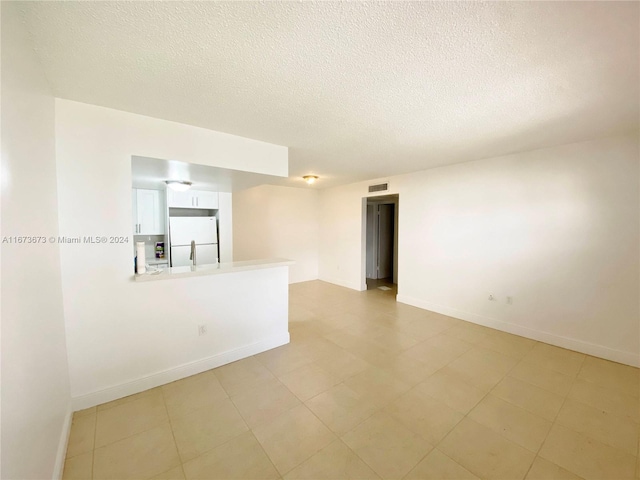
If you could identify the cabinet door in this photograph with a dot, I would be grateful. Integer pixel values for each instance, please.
(180, 199)
(206, 200)
(134, 203)
(150, 213)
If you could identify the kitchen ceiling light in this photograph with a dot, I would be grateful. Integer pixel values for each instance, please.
(178, 185)
(310, 179)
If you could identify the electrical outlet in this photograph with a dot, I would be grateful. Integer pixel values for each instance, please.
(202, 330)
(509, 300)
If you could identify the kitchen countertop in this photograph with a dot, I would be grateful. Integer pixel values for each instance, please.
(212, 269)
(157, 261)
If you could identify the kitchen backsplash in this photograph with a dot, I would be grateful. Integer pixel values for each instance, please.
(150, 244)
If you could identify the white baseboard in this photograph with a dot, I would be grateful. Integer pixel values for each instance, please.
(61, 454)
(176, 373)
(343, 283)
(302, 279)
(627, 358)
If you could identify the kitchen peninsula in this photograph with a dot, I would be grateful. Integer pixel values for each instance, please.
(212, 269)
(205, 316)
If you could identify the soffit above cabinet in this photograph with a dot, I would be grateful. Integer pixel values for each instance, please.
(153, 172)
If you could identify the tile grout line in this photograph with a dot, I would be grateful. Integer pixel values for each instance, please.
(327, 426)
(614, 414)
(573, 379)
(466, 415)
(301, 402)
(128, 436)
(522, 408)
(251, 428)
(266, 454)
(480, 401)
(228, 397)
(435, 446)
(164, 402)
(264, 421)
(552, 422)
(533, 384)
(378, 410)
(93, 451)
(382, 409)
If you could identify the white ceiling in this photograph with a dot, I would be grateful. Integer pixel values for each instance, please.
(154, 172)
(356, 90)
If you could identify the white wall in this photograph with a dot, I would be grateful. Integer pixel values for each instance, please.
(556, 229)
(120, 331)
(342, 252)
(278, 222)
(225, 227)
(35, 380)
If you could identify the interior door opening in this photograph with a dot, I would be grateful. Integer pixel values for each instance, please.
(382, 243)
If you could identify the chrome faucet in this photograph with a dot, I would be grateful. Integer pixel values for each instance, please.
(193, 252)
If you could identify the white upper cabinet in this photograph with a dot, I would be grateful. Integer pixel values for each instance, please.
(206, 199)
(180, 199)
(193, 199)
(149, 212)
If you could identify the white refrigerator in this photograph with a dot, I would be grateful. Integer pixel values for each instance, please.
(184, 230)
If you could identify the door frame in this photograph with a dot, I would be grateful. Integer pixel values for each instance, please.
(387, 198)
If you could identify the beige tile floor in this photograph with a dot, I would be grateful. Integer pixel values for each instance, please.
(370, 388)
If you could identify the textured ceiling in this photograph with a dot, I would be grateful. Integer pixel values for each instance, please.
(356, 90)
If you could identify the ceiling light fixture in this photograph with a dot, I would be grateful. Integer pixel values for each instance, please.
(310, 179)
(178, 185)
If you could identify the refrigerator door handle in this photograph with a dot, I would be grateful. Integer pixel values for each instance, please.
(192, 255)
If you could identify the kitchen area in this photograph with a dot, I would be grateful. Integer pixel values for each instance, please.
(182, 220)
(176, 228)
(178, 222)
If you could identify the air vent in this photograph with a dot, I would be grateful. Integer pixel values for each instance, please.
(378, 188)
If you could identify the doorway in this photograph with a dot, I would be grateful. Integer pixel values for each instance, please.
(382, 243)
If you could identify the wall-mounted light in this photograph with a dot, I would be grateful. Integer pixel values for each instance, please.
(178, 185)
(310, 179)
